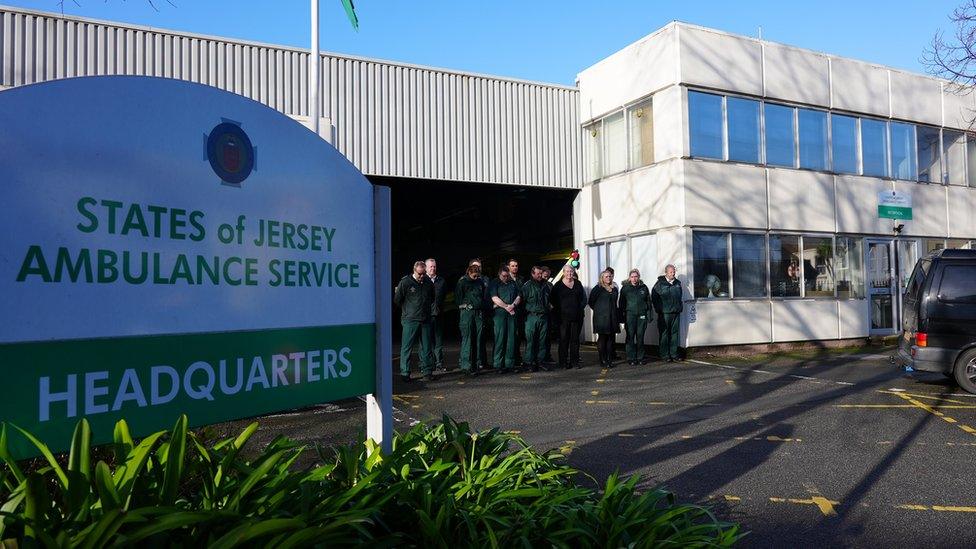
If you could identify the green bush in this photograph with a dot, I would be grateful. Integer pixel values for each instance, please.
(442, 486)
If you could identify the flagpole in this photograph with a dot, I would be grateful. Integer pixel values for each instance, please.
(313, 70)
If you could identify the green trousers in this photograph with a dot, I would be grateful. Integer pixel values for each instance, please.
(636, 326)
(505, 340)
(472, 335)
(413, 332)
(437, 337)
(536, 335)
(669, 328)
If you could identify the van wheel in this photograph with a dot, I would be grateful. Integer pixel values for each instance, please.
(965, 371)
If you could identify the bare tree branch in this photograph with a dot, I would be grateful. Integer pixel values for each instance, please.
(954, 59)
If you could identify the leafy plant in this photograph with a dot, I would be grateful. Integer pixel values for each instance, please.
(441, 486)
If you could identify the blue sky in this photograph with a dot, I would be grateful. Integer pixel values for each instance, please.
(544, 40)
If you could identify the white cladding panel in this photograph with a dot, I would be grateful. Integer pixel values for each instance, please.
(928, 209)
(958, 107)
(857, 205)
(718, 60)
(633, 72)
(728, 322)
(720, 194)
(806, 319)
(390, 119)
(669, 123)
(962, 212)
(916, 98)
(853, 315)
(801, 200)
(636, 201)
(859, 87)
(796, 75)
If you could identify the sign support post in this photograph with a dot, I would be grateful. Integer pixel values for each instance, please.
(313, 70)
(379, 405)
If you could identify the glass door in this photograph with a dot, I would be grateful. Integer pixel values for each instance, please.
(881, 286)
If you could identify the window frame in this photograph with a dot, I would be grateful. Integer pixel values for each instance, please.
(730, 260)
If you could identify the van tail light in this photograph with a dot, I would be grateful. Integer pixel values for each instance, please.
(921, 339)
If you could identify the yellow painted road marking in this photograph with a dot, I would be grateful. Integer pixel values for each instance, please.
(525, 377)
(935, 412)
(626, 435)
(939, 397)
(825, 505)
(602, 401)
(601, 381)
(935, 406)
(942, 508)
(594, 393)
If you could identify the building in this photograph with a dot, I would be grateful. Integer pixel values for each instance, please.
(754, 167)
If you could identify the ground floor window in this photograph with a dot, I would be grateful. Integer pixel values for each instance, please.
(758, 265)
(622, 254)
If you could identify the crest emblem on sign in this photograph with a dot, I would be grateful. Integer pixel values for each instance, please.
(230, 153)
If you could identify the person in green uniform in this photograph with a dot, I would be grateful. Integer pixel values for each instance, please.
(469, 294)
(635, 309)
(535, 296)
(505, 298)
(415, 295)
(667, 299)
(486, 307)
(436, 308)
(513, 270)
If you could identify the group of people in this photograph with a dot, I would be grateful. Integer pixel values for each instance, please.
(536, 311)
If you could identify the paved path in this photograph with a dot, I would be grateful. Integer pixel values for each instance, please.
(806, 449)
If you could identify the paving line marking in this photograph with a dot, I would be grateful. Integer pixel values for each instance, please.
(936, 413)
(825, 505)
(938, 508)
(936, 406)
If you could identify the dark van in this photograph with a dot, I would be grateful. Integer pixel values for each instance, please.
(939, 317)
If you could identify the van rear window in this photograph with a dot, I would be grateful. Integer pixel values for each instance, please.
(918, 279)
(958, 283)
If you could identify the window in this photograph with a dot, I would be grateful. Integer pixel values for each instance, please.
(903, 151)
(932, 244)
(843, 134)
(711, 264)
(749, 265)
(594, 148)
(849, 267)
(779, 135)
(874, 147)
(957, 244)
(929, 155)
(813, 139)
(744, 137)
(818, 266)
(915, 284)
(705, 125)
(784, 265)
(596, 261)
(614, 144)
(641, 135)
(643, 256)
(971, 159)
(954, 153)
(617, 260)
(958, 283)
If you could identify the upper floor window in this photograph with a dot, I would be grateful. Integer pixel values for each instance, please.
(744, 134)
(705, 125)
(641, 134)
(953, 157)
(614, 144)
(812, 129)
(903, 151)
(594, 149)
(874, 147)
(780, 135)
(929, 155)
(843, 133)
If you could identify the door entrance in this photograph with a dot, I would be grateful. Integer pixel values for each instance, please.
(882, 289)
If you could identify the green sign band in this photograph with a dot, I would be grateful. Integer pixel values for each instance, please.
(150, 380)
(894, 212)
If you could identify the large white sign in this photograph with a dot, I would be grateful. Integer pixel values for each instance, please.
(169, 247)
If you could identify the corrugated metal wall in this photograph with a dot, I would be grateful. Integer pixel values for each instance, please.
(390, 119)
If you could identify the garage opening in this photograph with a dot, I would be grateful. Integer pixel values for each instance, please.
(455, 222)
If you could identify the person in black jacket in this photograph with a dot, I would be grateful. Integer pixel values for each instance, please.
(436, 308)
(667, 299)
(568, 300)
(606, 322)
